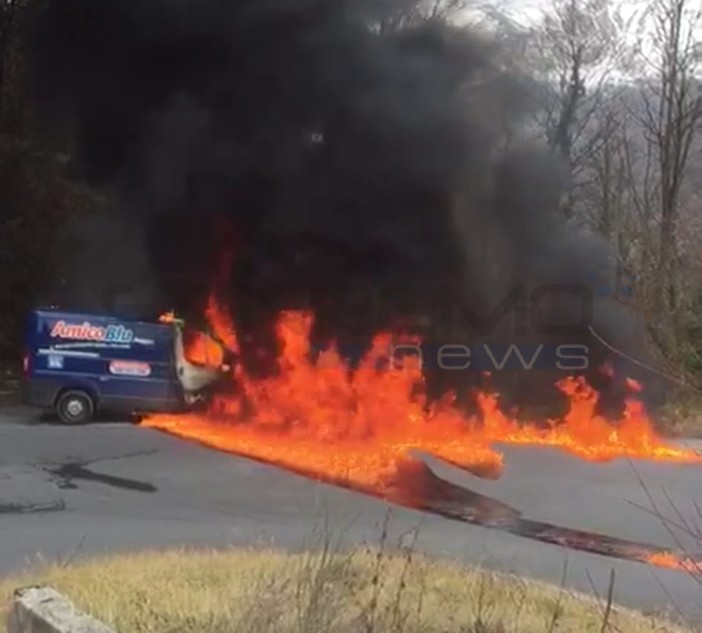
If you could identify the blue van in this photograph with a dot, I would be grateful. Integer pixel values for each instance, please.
(79, 364)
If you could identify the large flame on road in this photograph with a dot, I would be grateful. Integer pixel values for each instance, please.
(360, 428)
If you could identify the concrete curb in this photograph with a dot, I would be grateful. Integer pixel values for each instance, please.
(45, 610)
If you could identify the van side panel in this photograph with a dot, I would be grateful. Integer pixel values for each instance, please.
(126, 366)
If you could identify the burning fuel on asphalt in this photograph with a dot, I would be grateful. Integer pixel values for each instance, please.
(356, 427)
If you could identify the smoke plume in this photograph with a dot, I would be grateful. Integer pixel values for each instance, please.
(343, 164)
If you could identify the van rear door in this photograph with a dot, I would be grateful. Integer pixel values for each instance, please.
(139, 374)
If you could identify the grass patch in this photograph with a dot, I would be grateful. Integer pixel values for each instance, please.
(366, 591)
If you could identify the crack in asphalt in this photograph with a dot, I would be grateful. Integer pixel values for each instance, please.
(32, 508)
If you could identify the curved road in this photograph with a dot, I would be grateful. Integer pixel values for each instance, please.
(67, 492)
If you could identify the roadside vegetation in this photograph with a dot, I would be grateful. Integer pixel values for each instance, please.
(682, 415)
(365, 591)
(9, 386)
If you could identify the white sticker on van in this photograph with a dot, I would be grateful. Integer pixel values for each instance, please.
(130, 368)
(51, 351)
(55, 362)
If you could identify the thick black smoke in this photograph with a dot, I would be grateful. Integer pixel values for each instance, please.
(348, 166)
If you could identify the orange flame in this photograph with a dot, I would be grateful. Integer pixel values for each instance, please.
(670, 560)
(167, 317)
(360, 428)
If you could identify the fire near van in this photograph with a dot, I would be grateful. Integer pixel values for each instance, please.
(80, 364)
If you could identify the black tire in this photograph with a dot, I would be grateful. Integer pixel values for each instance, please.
(75, 407)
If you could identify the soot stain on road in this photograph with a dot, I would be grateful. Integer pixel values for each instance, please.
(65, 476)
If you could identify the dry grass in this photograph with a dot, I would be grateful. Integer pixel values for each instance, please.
(682, 416)
(367, 591)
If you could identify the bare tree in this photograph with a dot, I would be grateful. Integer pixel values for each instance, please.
(606, 187)
(575, 48)
(670, 117)
(421, 11)
(443, 8)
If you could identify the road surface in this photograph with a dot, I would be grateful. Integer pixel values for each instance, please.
(68, 492)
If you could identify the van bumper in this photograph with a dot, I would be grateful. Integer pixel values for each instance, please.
(141, 405)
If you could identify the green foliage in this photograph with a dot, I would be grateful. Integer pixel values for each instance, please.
(36, 197)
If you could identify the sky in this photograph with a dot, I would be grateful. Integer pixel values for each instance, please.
(528, 12)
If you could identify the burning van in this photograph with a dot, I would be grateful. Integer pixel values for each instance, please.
(79, 364)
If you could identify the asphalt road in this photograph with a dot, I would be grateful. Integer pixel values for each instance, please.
(68, 492)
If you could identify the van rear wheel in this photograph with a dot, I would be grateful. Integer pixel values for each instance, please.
(75, 407)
